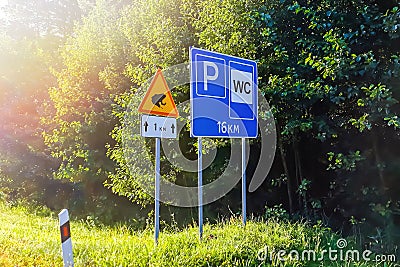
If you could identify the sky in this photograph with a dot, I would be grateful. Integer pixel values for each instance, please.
(2, 3)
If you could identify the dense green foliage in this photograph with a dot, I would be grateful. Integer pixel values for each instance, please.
(30, 38)
(329, 69)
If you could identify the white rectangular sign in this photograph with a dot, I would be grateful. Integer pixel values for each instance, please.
(155, 126)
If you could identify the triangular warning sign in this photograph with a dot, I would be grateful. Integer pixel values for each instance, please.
(158, 99)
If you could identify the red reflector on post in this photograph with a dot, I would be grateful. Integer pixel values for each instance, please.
(65, 232)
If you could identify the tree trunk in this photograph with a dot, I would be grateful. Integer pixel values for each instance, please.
(378, 159)
(299, 175)
(286, 170)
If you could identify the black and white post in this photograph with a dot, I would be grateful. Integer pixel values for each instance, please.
(66, 243)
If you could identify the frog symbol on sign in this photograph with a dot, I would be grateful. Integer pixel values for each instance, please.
(158, 100)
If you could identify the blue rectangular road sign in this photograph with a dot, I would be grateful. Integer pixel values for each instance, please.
(223, 95)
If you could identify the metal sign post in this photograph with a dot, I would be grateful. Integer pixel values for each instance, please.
(157, 193)
(224, 104)
(200, 186)
(244, 181)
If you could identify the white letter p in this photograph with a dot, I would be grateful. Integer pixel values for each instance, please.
(209, 77)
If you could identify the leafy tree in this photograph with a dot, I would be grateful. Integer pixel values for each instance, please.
(155, 43)
(320, 64)
(30, 34)
(329, 70)
(79, 116)
(33, 19)
(81, 103)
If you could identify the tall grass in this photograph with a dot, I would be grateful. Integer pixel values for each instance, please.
(34, 240)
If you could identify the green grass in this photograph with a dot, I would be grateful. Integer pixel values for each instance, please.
(33, 240)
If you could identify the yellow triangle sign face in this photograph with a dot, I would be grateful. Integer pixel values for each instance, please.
(158, 99)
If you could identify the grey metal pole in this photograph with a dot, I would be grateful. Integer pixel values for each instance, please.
(157, 194)
(200, 187)
(244, 206)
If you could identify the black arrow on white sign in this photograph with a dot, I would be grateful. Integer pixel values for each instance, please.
(173, 128)
(146, 125)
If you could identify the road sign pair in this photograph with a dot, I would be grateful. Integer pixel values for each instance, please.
(223, 99)
(224, 104)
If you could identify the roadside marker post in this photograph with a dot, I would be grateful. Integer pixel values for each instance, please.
(224, 104)
(66, 243)
(158, 120)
